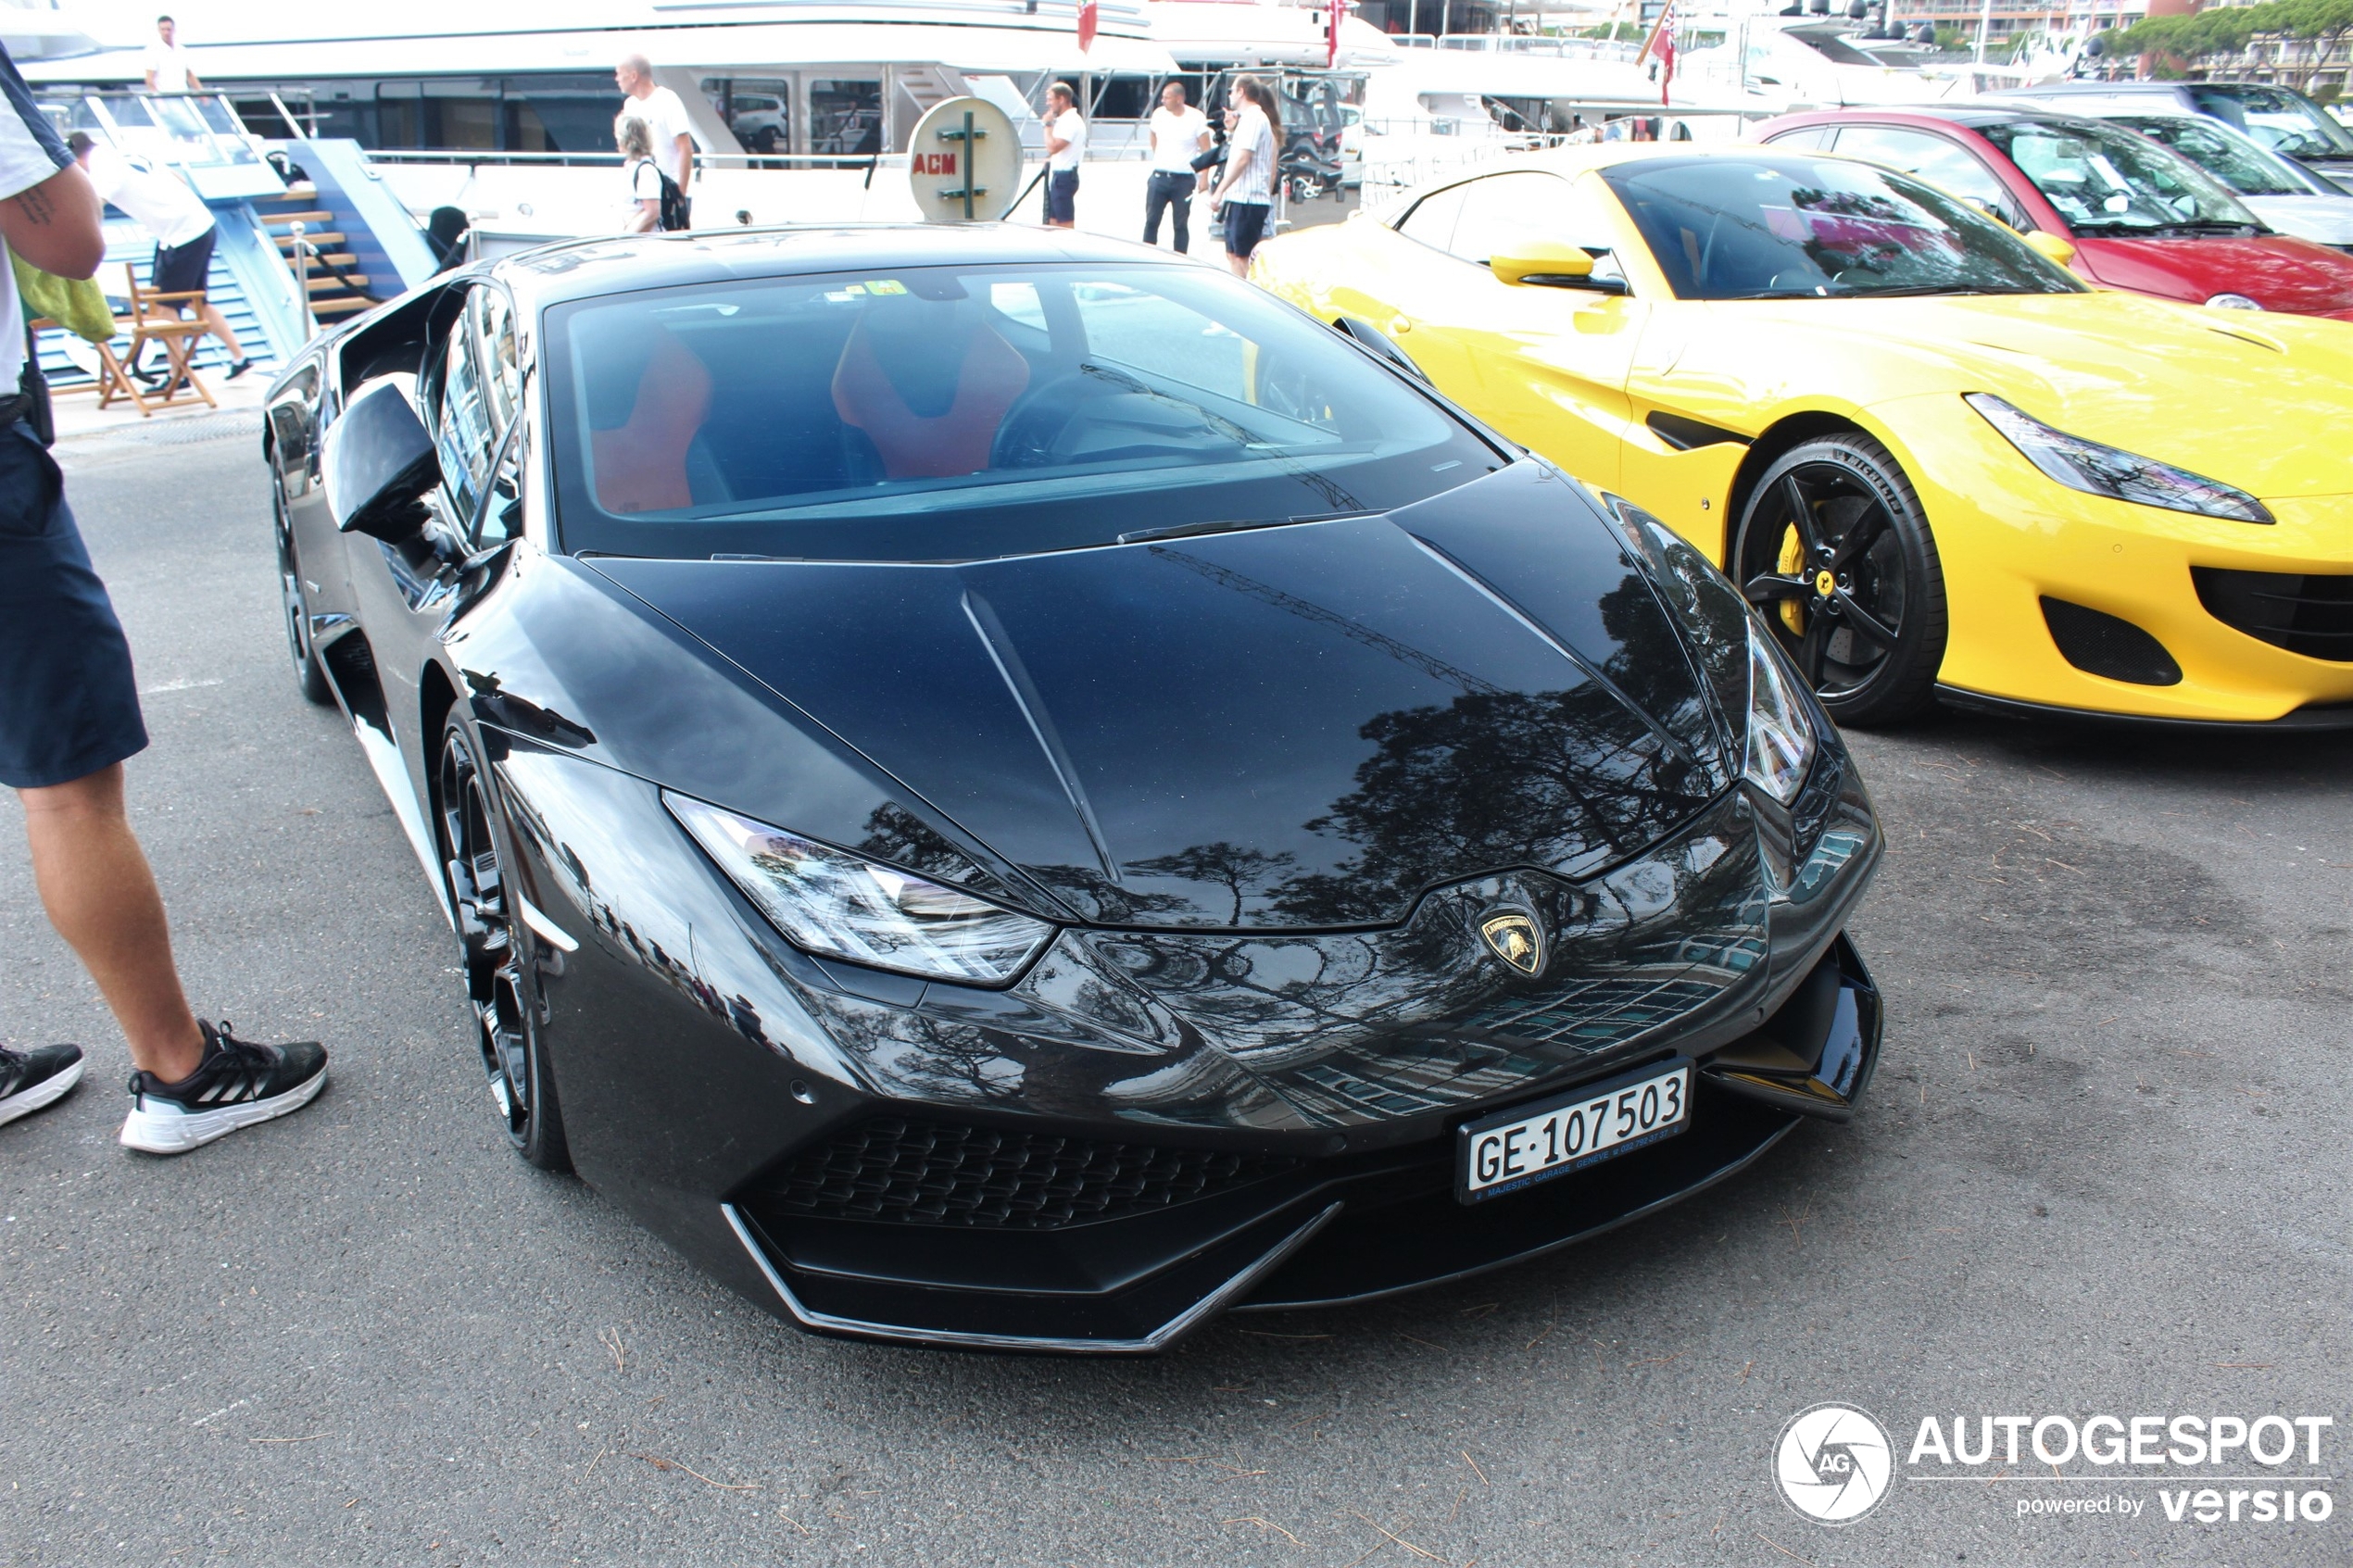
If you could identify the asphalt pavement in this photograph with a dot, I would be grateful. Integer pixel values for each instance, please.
(2103, 1170)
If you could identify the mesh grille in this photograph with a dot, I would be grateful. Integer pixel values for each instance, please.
(2310, 614)
(2100, 644)
(916, 1173)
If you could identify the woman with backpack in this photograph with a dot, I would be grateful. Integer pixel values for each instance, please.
(641, 175)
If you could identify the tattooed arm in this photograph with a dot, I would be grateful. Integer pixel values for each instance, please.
(54, 225)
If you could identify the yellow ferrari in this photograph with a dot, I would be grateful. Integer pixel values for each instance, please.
(1934, 460)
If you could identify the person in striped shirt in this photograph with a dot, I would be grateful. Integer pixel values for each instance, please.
(1247, 192)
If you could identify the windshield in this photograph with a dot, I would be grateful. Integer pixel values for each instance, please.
(1786, 226)
(963, 413)
(2250, 170)
(2285, 121)
(2106, 180)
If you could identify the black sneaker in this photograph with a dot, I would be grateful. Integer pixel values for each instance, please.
(236, 1085)
(238, 367)
(29, 1080)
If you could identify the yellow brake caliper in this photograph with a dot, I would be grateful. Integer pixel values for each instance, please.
(1792, 557)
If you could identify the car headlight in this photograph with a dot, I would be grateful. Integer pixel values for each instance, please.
(837, 905)
(2102, 470)
(2232, 302)
(1781, 735)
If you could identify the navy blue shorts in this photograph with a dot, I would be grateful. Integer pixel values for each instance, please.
(184, 269)
(68, 705)
(1245, 226)
(1062, 196)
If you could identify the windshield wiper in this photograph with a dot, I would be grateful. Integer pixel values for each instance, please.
(1230, 525)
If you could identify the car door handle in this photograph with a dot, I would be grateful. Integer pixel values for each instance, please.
(1400, 324)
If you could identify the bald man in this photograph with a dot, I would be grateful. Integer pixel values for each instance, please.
(665, 118)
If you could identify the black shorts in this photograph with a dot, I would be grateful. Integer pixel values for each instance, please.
(183, 268)
(1245, 226)
(68, 705)
(1062, 196)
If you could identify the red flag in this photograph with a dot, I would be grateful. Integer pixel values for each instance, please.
(1086, 24)
(1661, 44)
(1331, 34)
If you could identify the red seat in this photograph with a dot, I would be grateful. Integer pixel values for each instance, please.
(641, 465)
(991, 375)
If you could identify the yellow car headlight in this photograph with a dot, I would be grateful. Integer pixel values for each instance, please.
(2103, 471)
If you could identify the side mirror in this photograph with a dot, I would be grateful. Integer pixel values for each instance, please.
(1544, 264)
(2050, 247)
(380, 466)
(1373, 341)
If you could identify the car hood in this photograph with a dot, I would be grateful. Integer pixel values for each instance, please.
(2278, 272)
(1303, 726)
(2322, 219)
(2211, 391)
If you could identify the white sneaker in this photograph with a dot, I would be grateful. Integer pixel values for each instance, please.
(236, 1085)
(29, 1080)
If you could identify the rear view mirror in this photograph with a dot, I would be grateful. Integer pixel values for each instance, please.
(380, 466)
(2050, 247)
(1543, 263)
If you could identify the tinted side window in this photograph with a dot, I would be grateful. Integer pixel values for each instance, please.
(462, 416)
(1528, 205)
(291, 429)
(494, 325)
(1936, 160)
(1811, 138)
(1432, 220)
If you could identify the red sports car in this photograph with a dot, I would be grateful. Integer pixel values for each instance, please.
(2138, 216)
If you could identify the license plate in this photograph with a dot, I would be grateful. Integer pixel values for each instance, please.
(1528, 1143)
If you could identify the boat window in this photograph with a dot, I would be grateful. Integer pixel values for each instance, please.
(2103, 180)
(1937, 159)
(757, 109)
(960, 413)
(1526, 204)
(1781, 226)
(1432, 220)
(845, 116)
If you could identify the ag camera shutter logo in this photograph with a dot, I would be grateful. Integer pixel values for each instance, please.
(1833, 1463)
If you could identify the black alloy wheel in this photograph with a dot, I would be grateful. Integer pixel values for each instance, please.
(1835, 553)
(310, 675)
(492, 946)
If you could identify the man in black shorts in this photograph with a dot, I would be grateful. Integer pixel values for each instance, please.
(183, 230)
(70, 716)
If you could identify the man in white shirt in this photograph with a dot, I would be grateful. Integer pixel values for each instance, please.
(1180, 134)
(1065, 146)
(168, 69)
(665, 118)
(69, 718)
(182, 227)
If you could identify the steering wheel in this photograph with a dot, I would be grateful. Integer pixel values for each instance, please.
(1031, 435)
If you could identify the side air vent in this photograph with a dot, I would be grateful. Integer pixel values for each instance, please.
(914, 1173)
(2310, 614)
(2100, 644)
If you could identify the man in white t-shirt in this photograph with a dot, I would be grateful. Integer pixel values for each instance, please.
(665, 118)
(182, 227)
(167, 68)
(1180, 134)
(1066, 148)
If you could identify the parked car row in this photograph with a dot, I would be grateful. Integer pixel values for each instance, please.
(1923, 382)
